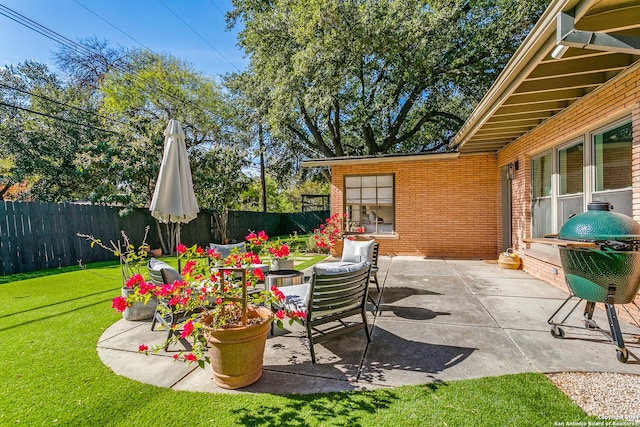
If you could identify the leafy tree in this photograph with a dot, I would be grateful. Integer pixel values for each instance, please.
(364, 76)
(45, 127)
(219, 182)
(281, 199)
(86, 66)
(272, 155)
(152, 89)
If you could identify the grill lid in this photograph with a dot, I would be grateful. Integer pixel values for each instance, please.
(600, 224)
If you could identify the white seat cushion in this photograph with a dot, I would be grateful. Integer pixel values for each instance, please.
(296, 297)
(326, 268)
(357, 250)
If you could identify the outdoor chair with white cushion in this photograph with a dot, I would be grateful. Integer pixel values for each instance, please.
(334, 294)
(355, 251)
(162, 273)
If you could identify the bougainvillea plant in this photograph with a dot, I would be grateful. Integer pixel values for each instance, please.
(215, 292)
(277, 249)
(332, 230)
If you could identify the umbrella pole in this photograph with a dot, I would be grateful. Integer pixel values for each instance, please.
(177, 243)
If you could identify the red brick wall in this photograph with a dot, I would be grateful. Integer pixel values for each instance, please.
(443, 207)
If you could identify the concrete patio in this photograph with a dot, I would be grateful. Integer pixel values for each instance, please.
(438, 320)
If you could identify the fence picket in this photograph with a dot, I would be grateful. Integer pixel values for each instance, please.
(6, 260)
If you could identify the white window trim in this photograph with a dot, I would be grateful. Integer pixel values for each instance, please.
(589, 172)
(393, 201)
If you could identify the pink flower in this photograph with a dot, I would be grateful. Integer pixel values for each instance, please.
(181, 248)
(120, 304)
(280, 314)
(277, 293)
(143, 348)
(146, 287)
(258, 273)
(257, 239)
(190, 357)
(176, 356)
(199, 251)
(187, 270)
(279, 250)
(187, 329)
(134, 280)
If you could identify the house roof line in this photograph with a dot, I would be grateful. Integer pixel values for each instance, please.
(373, 159)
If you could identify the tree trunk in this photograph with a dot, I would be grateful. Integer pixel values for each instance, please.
(163, 245)
(263, 182)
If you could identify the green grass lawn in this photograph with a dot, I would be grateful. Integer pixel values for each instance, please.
(51, 375)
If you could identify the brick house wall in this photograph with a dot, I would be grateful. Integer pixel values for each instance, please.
(617, 99)
(443, 207)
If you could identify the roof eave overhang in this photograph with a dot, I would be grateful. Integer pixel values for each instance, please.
(371, 160)
(524, 60)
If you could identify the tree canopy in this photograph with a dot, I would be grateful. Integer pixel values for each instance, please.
(365, 76)
(45, 125)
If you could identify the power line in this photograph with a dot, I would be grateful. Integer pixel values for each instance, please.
(217, 7)
(58, 38)
(39, 113)
(32, 25)
(112, 25)
(60, 103)
(199, 35)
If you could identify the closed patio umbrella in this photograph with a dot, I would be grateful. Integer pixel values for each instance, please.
(173, 198)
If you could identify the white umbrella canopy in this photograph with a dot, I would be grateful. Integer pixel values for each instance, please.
(173, 198)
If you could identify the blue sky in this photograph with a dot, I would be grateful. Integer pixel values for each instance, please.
(149, 22)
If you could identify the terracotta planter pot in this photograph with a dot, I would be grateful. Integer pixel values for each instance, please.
(336, 249)
(236, 352)
(281, 264)
(139, 310)
(157, 253)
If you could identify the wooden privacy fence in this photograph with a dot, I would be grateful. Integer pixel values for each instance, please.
(38, 236)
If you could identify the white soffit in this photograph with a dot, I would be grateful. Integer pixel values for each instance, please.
(535, 86)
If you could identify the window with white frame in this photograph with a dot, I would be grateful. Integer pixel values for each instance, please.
(612, 167)
(570, 181)
(565, 179)
(369, 203)
(541, 171)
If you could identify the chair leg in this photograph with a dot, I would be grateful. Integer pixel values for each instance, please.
(171, 325)
(366, 326)
(310, 339)
(155, 319)
(375, 280)
(373, 302)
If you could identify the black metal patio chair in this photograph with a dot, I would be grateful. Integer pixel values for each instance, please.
(333, 295)
(162, 273)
